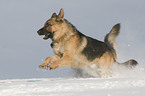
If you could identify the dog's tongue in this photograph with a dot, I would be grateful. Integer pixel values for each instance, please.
(46, 36)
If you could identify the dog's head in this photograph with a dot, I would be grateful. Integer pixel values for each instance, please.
(53, 28)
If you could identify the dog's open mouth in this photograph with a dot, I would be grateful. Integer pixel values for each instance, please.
(48, 35)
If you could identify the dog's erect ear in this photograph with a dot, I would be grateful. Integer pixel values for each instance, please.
(61, 13)
(54, 15)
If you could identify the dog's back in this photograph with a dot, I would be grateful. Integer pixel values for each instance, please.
(94, 49)
(97, 52)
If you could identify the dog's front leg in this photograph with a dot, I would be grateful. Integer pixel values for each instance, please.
(49, 60)
(65, 61)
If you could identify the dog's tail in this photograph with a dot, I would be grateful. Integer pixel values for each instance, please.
(111, 36)
(129, 64)
(110, 41)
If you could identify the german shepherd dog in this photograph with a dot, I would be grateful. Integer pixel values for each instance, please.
(76, 50)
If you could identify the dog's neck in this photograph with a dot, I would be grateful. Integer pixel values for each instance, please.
(64, 38)
(68, 33)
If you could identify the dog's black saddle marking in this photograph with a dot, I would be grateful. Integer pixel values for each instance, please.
(94, 48)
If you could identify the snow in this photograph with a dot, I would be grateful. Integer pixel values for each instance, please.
(131, 85)
(73, 87)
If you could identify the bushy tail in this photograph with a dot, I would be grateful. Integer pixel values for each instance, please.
(111, 36)
(130, 63)
(110, 41)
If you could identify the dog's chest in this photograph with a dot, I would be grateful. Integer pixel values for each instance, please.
(57, 48)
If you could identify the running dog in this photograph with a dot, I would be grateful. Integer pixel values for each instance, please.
(76, 50)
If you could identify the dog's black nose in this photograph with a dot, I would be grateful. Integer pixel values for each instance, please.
(40, 31)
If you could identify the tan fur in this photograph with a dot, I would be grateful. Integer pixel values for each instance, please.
(68, 47)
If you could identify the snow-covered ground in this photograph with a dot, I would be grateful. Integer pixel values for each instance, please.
(129, 84)
(73, 87)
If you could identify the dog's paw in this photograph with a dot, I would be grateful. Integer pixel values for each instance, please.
(43, 67)
(52, 66)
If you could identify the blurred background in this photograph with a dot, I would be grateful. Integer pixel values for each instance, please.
(22, 50)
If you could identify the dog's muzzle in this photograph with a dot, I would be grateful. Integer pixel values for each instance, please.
(46, 33)
(41, 32)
